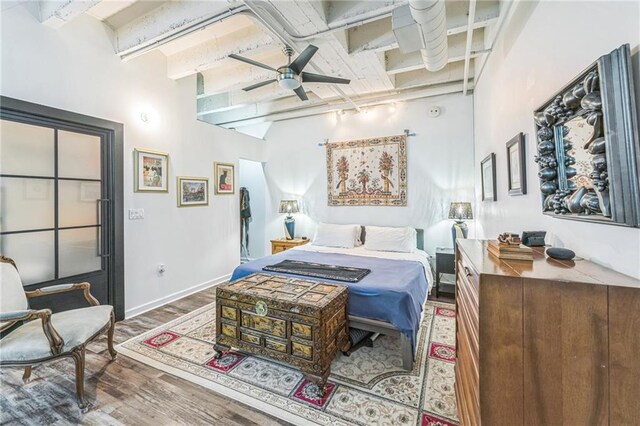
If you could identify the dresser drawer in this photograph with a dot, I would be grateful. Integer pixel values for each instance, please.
(271, 326)
(228, 330)
(301, 330)
(275, 344)
(251, 338)
(229, 313)
(277, 248)
(301, 350)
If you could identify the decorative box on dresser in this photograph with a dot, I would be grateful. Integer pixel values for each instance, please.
(545, 342)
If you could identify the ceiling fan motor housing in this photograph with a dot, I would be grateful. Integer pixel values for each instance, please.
(288, 79)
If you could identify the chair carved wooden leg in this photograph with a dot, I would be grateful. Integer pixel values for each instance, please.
(78, 358)
(112, 328)
(26, 377)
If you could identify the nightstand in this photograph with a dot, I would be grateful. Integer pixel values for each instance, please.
(445, 264)
(283, 244)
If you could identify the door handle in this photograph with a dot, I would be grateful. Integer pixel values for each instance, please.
(100, 252)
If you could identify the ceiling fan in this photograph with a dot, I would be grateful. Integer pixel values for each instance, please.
(291, 76)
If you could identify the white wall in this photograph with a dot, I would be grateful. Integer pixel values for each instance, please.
(75, 68)
(440, 166)
(546, 45)
(251, 176)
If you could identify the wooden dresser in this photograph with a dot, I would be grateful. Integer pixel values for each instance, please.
(283, 244)
(546, 342)
(301, 322)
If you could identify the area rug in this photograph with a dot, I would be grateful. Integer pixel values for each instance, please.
(367, 388)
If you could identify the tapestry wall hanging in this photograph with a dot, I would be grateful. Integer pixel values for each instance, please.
(367, 172)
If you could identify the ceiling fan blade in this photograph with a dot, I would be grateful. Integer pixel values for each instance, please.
(303, 59)
(262, 83)
(301, 93)
(251, 62)
(308, 77)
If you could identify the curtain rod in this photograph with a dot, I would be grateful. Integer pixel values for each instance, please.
(405, 131)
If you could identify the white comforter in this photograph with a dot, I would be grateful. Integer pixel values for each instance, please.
(417, 256)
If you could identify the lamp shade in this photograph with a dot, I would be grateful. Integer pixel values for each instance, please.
(288, 206)
(460, 211)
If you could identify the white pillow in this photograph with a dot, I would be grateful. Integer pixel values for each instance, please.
(382, 238)
(331, 235)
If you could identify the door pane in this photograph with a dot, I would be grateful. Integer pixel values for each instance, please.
(33, 254)
(26, 204)
(26, 149)
(78, 250)
(78, 155)
(77, 202)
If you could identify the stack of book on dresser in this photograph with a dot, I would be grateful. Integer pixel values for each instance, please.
(509, 251)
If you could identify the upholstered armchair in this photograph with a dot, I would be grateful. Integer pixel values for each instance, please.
(46, 336)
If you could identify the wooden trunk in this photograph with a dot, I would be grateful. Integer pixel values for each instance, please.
(301, 322)
(545, 342)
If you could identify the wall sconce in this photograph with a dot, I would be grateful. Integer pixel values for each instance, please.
(144, 116)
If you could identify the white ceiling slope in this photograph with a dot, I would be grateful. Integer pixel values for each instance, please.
(356, 40)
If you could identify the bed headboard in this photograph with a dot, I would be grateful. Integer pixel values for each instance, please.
(419, 237)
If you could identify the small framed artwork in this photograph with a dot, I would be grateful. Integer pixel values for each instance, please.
(488, 169)
(193, 191)
(151, 171)
(516, 166)
(224, 178)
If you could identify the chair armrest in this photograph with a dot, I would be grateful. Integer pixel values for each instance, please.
(63, 288)
(22, 315)
(55, 340)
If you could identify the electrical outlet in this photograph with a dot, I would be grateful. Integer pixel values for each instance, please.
(136, 214)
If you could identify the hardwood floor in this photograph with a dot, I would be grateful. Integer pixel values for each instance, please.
(124, 391)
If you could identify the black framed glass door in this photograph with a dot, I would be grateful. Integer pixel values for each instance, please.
(57, 190)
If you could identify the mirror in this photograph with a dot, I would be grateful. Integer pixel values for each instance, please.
(587, 144)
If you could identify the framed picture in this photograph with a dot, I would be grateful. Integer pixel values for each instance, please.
(488, 169)
(516, 166)
(151, 171)
(224, 178)
(193, 191)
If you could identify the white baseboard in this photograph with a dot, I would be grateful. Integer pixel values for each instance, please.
(130, 313)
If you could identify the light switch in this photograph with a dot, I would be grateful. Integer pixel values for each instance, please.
(136, 214)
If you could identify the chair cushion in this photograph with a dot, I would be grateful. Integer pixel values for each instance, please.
(13, 297)
(75, 327)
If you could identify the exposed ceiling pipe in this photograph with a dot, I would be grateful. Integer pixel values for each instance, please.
(244, 10)
(386, 13)
(467, 54)
(233, 11)
(432, 19)
(364, 101)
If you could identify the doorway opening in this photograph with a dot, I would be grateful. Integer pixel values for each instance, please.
(253, 198)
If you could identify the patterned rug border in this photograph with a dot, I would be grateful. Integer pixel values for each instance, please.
(243, 398)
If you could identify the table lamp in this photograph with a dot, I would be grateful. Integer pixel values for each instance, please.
(289, 207)
(459, 211)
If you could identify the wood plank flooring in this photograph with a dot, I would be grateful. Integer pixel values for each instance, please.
(124, 391)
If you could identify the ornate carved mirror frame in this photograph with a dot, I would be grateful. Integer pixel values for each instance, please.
(588, 149)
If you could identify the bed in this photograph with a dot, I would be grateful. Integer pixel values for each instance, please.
(388, 300)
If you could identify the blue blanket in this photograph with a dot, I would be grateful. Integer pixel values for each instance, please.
(394, 291)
